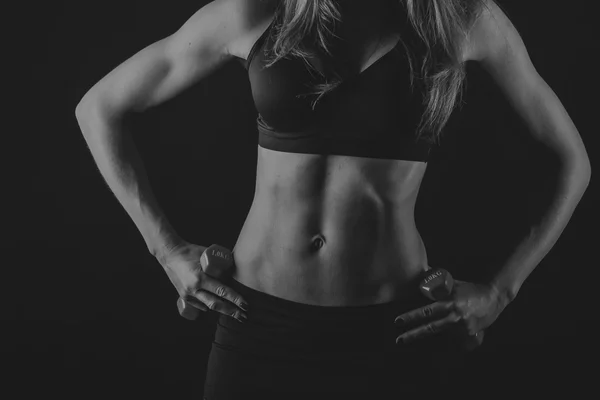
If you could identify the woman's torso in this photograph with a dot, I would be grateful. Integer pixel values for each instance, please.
(333, 230)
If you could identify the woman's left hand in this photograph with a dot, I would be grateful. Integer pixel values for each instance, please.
(469, 309)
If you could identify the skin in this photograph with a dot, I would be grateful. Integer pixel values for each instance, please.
(352, 240)
(322, 230)
(333, 230)
(496, 46)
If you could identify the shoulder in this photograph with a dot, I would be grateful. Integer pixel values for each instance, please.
(490, 32)
(250, 17)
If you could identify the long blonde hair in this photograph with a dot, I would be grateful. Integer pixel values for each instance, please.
(437, 26)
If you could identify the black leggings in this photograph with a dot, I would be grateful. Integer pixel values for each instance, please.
(289, 350)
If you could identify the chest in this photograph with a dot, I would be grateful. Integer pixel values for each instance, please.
(371, 85)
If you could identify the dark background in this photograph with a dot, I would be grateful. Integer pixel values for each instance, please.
(87, 312)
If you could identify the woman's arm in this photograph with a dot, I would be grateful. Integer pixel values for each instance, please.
(472, 307)
(497, 46)
(150, 77)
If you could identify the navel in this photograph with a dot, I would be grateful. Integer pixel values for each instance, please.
(318, 242)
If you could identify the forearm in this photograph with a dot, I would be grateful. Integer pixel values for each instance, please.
(121, 167)
(573, 181)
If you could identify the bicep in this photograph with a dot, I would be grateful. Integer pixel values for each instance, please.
(500, 51)
(167, 67)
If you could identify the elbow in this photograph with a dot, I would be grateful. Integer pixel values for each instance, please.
(79, 111)
(89, 104)
(585, 171)
(98, 107)
(589, 170)
(588, 176)
(88, 115)
(578, 167)
(83, 107)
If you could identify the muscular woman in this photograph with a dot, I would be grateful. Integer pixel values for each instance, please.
(350, 96)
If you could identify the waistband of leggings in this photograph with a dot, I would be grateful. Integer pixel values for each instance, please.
(292, 329)
(263, 302)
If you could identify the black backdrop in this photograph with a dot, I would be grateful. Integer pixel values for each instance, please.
(87, 312)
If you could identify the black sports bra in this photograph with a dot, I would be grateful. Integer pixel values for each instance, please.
(372, 114)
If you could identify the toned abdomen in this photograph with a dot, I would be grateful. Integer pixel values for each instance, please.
(332, 230)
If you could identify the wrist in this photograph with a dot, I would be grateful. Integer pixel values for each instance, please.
(503, 292)
(161, 248)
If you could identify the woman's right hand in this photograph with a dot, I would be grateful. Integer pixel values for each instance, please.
(202, 291)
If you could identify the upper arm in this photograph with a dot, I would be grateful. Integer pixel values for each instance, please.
(497, 46)
(165, 68)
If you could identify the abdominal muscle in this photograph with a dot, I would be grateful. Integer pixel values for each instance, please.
(332, 230)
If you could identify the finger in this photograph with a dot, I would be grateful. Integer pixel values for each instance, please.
(217, 287)
(220, 305)
(428, 329)
(194, 302)
(434, 310)
(187, 311)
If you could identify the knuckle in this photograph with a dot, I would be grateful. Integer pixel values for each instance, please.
(221, 291)
(212, 305)
(196, 286)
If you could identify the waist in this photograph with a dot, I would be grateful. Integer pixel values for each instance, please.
(300, 328)
(350, 256)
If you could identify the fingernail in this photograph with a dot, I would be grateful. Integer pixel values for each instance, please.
(399, 321)
(400, 340)
(244, 306)
(242, 318)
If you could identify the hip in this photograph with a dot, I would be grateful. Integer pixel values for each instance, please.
(289, 348)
